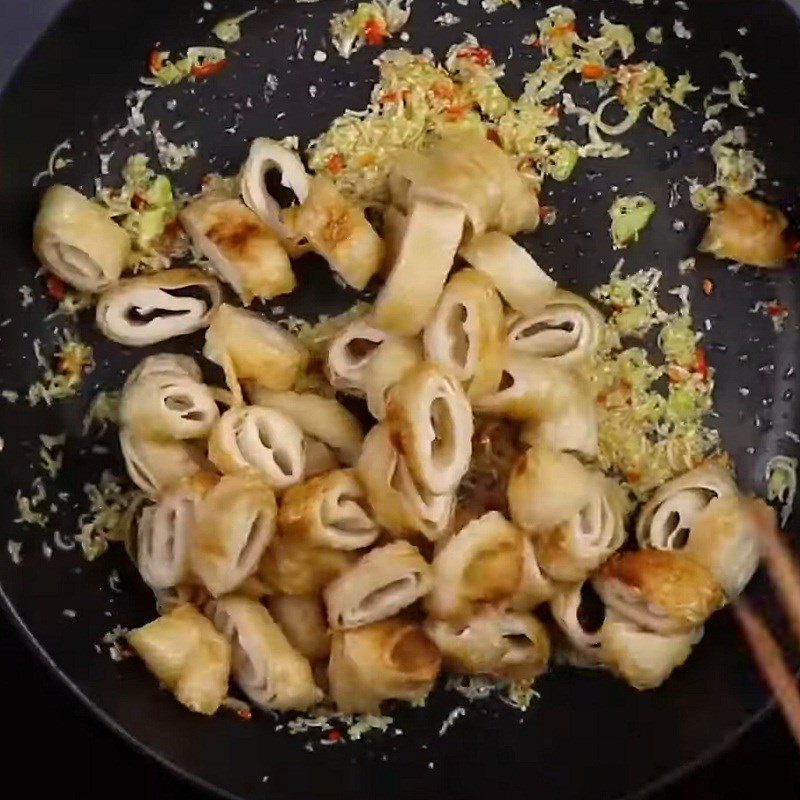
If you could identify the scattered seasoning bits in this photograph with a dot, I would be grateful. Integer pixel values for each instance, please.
(69, 613)
(320, 56)
(680, 30)
(15, 551)
(708, 286)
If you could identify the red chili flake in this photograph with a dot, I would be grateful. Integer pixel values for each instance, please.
(633, 476)
(138, 202)
(335, 164)
(334, 736)
(210, 68)
(375, 31)
(776, 309)
(155, 61)
(493, 136)
(708, 286)
(562, 30)
(245, 713)
(56, 288)
(477, 55)
(456, 113)
(701, 363)
(793, 245)
(554, 110)
(593, 72)
(443, 90)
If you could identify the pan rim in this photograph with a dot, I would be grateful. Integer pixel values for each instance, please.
(671, 777)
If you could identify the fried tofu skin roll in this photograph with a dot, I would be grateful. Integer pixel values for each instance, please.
(321, 418)
(466, 336)
(154, 466)
(252, 439)
(302, 619)
(148, 309)
(235, 524)
(165, 531)
(76, 240)
(407, 300)
(387, 660)
(547, 488)
(338, 230)
(272, 674)
(350, 352)
(504, 644)
(329, 511)
(251, 348)
(661, 591)
(293, 566)
(184, 651)
(572, 550)
(643, 658)
(265, 157)
(400, 505)
(567, 330)
(524, 285)
(481, 564)
(430, 422)
(379, 585)
(168, 407)
(243, 251)
(747, 231)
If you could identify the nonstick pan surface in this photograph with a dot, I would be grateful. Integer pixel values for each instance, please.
(588, 736)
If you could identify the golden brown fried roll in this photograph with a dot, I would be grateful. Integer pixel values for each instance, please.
(265, 665)
(321, 418)
(398, 503)
(724, 538)
(338, 230)
(524, 285)
(165, 364)
(504, 644)
(155, 466)
(349, 353)
(184, 651)
(546, 488)
(251, 348)
(643, 658)
(531, 388)
(329, 511)
(266, 156)
(430, 422)
(566, 331)
(75, 239)
(466, 336)
(165, 531)
(259, 440)
(152, 308)
(168, 407)
(577, 547)
(379, 585)
(242, 250)
(235, 524)
(572, 428)
(472, 173)
(388, 660)
(481, 564)
(291, 565)
(428, 248)
(392, 361)
(666, 519)
(659, 590)
(580, 614)
(747, 231)
(534, 587)
(302, 619)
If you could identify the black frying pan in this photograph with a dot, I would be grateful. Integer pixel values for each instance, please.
(589, 737)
